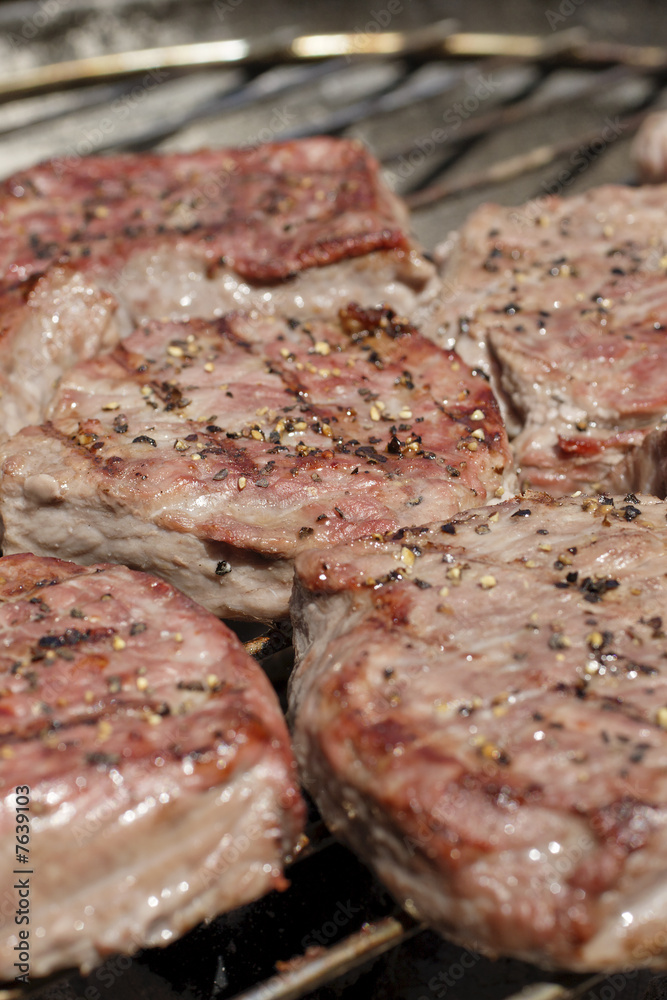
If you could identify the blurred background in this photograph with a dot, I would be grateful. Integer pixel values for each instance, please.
(457, 115)
(445, 124)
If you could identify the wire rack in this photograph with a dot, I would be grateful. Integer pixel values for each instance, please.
(455, 117)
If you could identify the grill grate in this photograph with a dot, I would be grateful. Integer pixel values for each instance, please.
(455, 117)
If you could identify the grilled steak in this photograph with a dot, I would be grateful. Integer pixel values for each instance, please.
(296, 228)
(211, 453)
(161, 784)
(197, 234)
(480, 711)
(566, 298)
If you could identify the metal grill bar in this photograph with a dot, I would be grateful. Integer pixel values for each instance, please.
(514, 166)
(274, 641)
(407, 91)
(438, 40)
(124, 65)
(308, 972)
(520, 110)
(280, 47)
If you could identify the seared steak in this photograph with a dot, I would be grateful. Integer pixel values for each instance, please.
(566, 298)
(296, 228)
(161, 784)
(481, 710)
(211, 453)
(197, 234)
(269, 211)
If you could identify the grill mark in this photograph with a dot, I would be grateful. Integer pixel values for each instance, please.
(117, 711)
(211, 443)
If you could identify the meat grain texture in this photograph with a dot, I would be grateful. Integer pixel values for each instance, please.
(162, 786)
(563, 301)
(211, 453)
(295, 228)
(480, 710)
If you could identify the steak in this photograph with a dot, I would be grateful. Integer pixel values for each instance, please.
(265, 212)
(154, 757)
(296, 228)
(480, 712)
(293, 227)
(564, 301)
(213, 452)
(48, 324)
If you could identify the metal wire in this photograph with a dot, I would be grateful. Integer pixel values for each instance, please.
(322, 966)
(436, 40)
(515, 166)
(281, 46)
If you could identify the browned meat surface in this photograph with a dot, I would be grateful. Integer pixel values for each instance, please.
(211, 453)
(161, 783)
(481, 711)
(565, 298)
(296, 228)
(269, 211)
